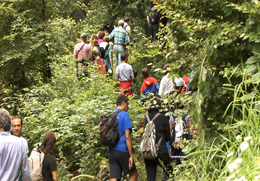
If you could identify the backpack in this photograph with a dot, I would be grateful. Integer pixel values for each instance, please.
(125, 26)
(148, 147)
(103, 51)
(154, 16)
(35, 164)
(108, 129)
(101, 67)
(180, 130)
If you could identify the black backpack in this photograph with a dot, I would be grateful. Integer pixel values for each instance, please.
(108, 129)
(154, 16)
(103, 51)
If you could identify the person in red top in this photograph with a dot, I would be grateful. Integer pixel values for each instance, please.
(101, 64)
(150, 84)
(185, 80)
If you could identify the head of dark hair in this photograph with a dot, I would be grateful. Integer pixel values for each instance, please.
(101, 34)
(97, 52)
(120, 99)
(5, 120)
(102, 28)
(126, 19)
(18, 117)
(124, 56)
(48, 142)
(145, 72)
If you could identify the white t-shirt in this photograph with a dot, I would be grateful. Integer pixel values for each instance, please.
(25, 143)
(166, 85)
(127, 28)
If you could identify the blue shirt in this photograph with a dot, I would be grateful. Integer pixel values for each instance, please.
(124, 123)
(13, 158)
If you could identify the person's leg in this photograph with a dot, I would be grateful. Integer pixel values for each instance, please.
(114, 166)
(151, 166)
(115, 51)
(123, 159)
(151, 30)
(121, 49)
(167, 166)
(156, 30)
(133, 176)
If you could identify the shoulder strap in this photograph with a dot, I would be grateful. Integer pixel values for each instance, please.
(156, 115)
(107, 47)
(80, 49)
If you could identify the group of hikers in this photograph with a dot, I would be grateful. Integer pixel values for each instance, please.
(161, 132)
(14, 162)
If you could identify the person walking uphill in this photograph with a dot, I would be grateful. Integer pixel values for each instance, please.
(162, 135)
(153, 19)
(121, 39)
(150, 85)
(125, 74)
(82, 54)
(121, 155)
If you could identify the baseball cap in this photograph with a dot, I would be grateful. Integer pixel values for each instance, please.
(178, 82)
(83, 35)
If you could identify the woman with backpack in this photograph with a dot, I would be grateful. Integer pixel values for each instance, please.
(162, 135)
(49, 166)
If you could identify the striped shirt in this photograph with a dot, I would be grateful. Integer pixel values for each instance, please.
(120, 36)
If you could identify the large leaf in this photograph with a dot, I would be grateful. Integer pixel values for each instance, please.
(252, 60)
(251, 69)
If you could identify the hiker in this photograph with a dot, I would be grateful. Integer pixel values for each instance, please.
(94, 45)
(121, 156)
(101, 35)
(153, 19)
(120, 39)
(102, 65)
(125, 74)
(82, 54)
(49, 165)
(186, 81)
(101, 30)
(94, 42)
(109, 28)
(166, 84)
(13, 156)
(17, 130)
(150, 85)
(162, 133)
(126, 26)
(108, 56)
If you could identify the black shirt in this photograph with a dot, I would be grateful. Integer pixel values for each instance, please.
(162, 127)
(48, 166)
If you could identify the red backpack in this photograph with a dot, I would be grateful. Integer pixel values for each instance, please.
(101, 67)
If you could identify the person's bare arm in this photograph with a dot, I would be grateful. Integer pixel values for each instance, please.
(111, 62)
(148, 21)
(133, 78)
(129, 147)
(54, 175)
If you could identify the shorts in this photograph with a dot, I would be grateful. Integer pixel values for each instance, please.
(118, 162)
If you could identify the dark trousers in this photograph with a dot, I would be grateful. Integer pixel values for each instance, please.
(151, 166)
(154, 28)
